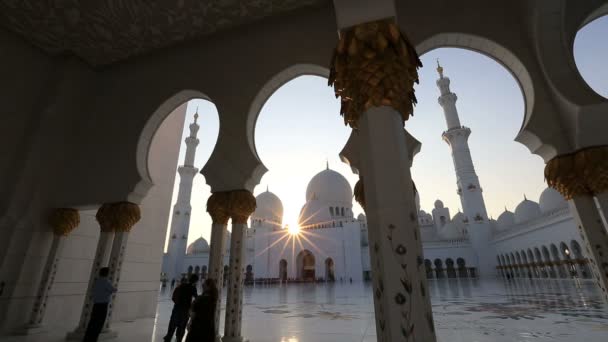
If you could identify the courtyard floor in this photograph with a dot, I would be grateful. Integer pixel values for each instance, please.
(464, 310)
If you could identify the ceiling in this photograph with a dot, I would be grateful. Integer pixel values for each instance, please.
(105, 31)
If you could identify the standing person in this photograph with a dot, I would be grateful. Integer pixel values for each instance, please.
(182, 297)
(102, 294)
(172, 283)
(202, 321)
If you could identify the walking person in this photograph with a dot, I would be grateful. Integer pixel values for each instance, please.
(102, 294)
(202, 322)
(182, 298)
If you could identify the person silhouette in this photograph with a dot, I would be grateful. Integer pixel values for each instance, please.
(202, 321)
(102, 294)
(182, 297)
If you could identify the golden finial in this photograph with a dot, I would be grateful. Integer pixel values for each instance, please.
(196, 115)
(439, 69)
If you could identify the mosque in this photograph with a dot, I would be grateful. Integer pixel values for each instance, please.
(95, 93)
(539, 239)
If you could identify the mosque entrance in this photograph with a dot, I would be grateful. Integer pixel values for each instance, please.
(306, 266)
(329, 270)
(283, 270)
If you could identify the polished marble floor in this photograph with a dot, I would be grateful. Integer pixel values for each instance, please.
(464, 310)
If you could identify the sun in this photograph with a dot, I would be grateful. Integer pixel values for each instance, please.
(293, 229)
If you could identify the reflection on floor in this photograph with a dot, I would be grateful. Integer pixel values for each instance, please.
(464, 310)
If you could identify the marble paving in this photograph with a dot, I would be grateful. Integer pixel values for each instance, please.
(468, 310)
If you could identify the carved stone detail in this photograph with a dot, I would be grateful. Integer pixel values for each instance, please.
(64, 220)
(584, 172)
(374, 65)
(118, 217)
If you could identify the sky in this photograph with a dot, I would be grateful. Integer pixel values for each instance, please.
(299, 130)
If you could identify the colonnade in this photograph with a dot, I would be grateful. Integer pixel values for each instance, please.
(567, 262)
(373, 71)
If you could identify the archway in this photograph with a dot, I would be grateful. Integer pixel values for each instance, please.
(249, 274)
(557, 261)
(549, 267)
(462, 268)
(449, 264)
(439, 268)
(428, 266)
(568, 263)
(580, 260)
(204, 272)
(329, 270)
(586, 40)
(306, 265)
(283, 270)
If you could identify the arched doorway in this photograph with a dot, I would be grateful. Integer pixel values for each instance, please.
(249, 274)
(568, 263)
(580, 260)
(462, 268)
(329, 270)
(557, 261)
(190, 270)
(204, 272)
(439, 268)
(449, 264)
(197, 270)
(548, 263)
(306, 265)
(428, 266)
(283, 270)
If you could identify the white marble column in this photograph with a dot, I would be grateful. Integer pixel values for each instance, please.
(595, 237)
(401, 299)
(217, 207)
(102, 255)
(602, 200)
(242, 205)
(63, 221)
(117, 255)
(115, 220)
(234, 295)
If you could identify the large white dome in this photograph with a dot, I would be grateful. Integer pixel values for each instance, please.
(268, 207)
(505, 220)
(526, 210)
(199, 246)
(551, 200)
(328, 186)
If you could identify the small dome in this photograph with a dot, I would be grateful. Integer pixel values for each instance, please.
(526, 211)
(361, 217)
(505, 220)
(438, 204)
(268, 207)
(199, 246)
(458, 218)
(328, 186)
(551, 200)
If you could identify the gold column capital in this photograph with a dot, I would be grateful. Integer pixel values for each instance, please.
(583, 172)
(118, 216)
(241, 205)
(64, 220)
(218, 207)
(374, 65)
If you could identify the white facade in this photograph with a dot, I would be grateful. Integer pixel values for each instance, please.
(333, 245)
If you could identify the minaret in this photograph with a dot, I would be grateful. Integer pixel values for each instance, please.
(469, 189)
(180, 224)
